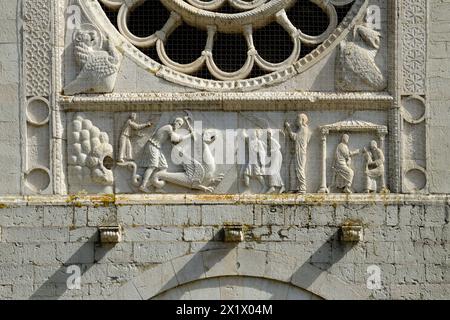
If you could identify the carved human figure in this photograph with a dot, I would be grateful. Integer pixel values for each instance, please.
(343, 173)
(374, 167)
(275, 182)
(128, 131)
(301, 139)
(254, 168)
(154, 159)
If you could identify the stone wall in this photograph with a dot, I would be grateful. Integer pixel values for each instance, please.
(439, 82)
(168, 245)
(10, 137)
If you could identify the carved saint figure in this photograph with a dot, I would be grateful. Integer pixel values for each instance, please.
(275, 182)
(343, 173)
(254, 169)
(374, 167)
(154, 159)
(129, 130)
(301, 139)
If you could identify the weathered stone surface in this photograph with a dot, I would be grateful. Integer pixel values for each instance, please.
(54, 149)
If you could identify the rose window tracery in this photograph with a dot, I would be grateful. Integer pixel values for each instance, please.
(232, 40)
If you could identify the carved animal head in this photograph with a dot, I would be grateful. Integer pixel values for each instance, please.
(90, 38)
(370, 37)
(210, 135)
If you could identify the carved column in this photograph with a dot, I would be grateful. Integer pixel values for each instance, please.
(382, 136)
(323, 185)
(382, 140)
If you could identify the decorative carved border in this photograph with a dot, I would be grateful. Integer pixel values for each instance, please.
(230, 199)
(414, 46)
(412, 54)
(279, 101)
(37, 36)
(37, 69)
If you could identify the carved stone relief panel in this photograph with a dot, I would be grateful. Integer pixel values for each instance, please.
(116, 143)
(220, 153)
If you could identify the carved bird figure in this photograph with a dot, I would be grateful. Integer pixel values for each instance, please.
(357, 68)
(99, 67)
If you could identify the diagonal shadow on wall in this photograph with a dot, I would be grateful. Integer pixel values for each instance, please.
(190, 270)
(56, 285)
(307, 273)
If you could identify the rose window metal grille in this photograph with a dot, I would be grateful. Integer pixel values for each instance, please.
(228, 40)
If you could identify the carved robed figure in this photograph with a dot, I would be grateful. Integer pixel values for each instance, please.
(374, 168)
(301, 139)
(343, 173)
(129, 130)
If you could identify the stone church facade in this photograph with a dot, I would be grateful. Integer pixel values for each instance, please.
(183, 149)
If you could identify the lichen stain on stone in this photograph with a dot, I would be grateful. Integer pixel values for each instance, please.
(103, 200)
(73, 200)
(81, 199)
(3, 206)
(214, 197)
(315, 199)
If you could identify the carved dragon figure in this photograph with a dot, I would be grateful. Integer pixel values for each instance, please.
(198, 174)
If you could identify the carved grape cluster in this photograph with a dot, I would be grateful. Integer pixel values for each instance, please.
(88, 149)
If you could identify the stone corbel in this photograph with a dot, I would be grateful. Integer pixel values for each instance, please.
(110, 235)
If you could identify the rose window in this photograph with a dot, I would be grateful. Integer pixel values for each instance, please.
(232, 40)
